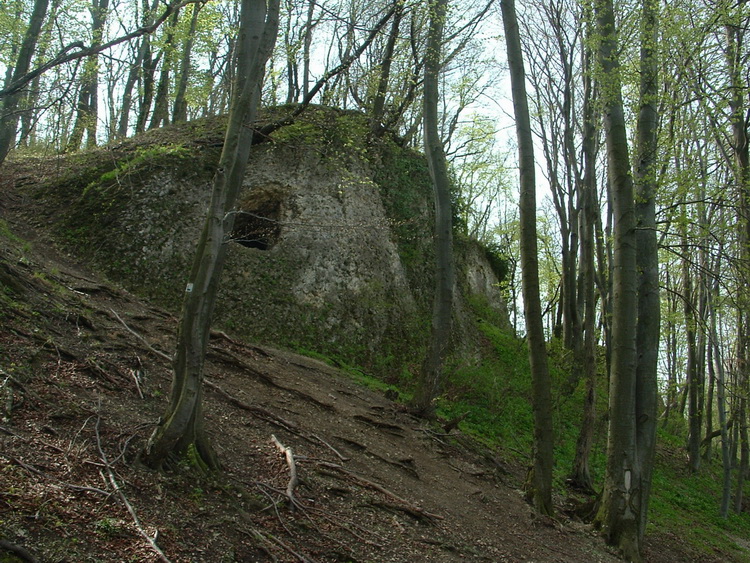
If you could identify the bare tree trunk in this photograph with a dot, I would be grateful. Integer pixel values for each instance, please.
(580, 474)
(539, 486)
(160, 115)
(742, 469)
(182, 430)
(737, 65)
(647, 258)
(430, 378)
(721, 401)
(694, 383)
(378, 105)
(8, 110)
(147, 77)
(619, 510)
(88, 96)
(31, 114)
(136, 69)
(307, 44)
(179, 109)
(671, 351)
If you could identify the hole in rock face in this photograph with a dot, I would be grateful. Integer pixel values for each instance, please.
(257, 226)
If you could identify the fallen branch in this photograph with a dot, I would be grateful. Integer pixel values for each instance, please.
(143, 340)
(231, 359)
(18, 551)
(454, 422)
(137, 385)
(151, 541)
(34, 470)
(714, 434)
(330, 447)
(286, 547)
(293, 479)
(407, 506)
(259, 411)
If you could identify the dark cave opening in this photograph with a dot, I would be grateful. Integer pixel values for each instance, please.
(257, 227)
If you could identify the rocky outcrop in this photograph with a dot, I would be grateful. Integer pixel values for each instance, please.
(327, 254)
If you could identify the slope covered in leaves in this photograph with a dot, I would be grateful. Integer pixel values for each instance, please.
(86, 376)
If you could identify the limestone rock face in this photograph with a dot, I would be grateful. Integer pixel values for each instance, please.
(327, 254)
(313, 260)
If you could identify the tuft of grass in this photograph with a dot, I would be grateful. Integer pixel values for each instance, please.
(354, 372)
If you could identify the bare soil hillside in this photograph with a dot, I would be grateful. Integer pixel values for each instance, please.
(316, 467)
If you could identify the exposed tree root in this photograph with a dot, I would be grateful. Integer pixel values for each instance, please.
(404, 504)
(18, 551)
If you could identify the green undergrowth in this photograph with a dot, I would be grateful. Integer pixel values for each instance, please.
(357, 374)
(687, 505)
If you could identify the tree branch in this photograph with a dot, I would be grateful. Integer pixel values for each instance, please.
(293, 479)
(64, 56)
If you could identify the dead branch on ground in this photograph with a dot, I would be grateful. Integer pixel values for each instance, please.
(20, 552)
(293, 479)
(143, 340)
(405, 505)
(265, 414)
(110, 473)
(65, 484)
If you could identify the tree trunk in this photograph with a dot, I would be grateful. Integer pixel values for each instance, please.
(182, 430)
(619, 512)
(307, 44)
(378, 105)
(737, 65)
(88, 99)
(148, 69)
(580, 474)
(430, 378)
(539, 487)
(647, 257)
(179, 109)
(8, 110)
(160, 116)
(721, 400)
(30, 117)
(137, 68)
(693, 381)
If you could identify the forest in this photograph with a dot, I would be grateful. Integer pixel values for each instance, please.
(598, 150)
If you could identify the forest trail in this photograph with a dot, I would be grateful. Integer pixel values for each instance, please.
(86, 376)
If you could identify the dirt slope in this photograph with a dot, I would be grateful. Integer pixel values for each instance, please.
(85, 376)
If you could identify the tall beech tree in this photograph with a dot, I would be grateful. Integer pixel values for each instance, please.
(182, 429)
(431, 374)
(647, 255)
(619, 513)
(580, 474)
(539, 485)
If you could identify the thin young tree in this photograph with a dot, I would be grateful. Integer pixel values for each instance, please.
(182, 430)
(539, 485)
(431, 374)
